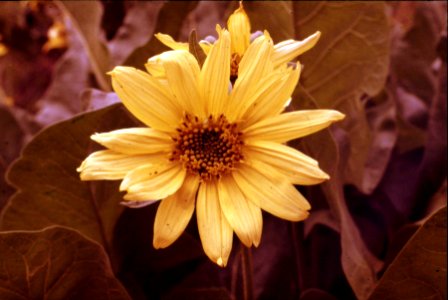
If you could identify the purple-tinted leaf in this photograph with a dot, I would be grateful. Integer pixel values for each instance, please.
(169, 21)
(85, 17)
(93, 99)
(137, 27)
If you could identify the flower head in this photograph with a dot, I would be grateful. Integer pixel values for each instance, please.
(239, 28)
(212, 146)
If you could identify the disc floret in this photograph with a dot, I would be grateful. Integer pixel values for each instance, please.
(209, 148)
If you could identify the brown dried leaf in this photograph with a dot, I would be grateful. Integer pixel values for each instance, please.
(55, 263)
(419, 271)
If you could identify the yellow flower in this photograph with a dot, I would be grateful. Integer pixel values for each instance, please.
(211, 146)
(239, 27)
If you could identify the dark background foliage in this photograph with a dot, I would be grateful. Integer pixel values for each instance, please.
(377, 229)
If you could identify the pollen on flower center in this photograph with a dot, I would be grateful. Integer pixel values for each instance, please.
(209, 148)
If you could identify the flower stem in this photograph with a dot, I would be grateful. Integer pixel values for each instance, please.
(247, 273)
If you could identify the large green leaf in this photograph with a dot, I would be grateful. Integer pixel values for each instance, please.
(49, 189)
(419, 271)
(55, 263)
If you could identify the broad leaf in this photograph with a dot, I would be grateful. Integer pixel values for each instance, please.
(55, 263)
(350, 60)
(71, 76)
(419, 271)
(169, 21)
(276, 17)
(86, 18)
(11, 141)
(93, 99)
(359, 265)
(49, 189)
(137, 27)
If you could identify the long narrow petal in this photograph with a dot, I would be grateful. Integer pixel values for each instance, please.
(111, 165)
(153, 182)
(300, 168)
(254, 66)
(215, 74)
(239, 28)
(182, 72)
(214, 230)
(145, 98)
(174, 213)
(135, 140)
(288, 50)
(168, 41)
(243, 215)
(278, 197)
(273, 102)
(292, 125)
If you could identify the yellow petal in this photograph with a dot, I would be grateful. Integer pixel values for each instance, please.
(239, 28)
(153, 182)
(135, 140)
(268, 88)
(182, 72)
(174, 213)
(254, 66)
(292, 125)
(273, 102)
(145, 98)
(278, 197)
(243, 215)
(214, 230)
(206, 46)
(170, 42)
(215, 74)
(288, 50)
(300, 168)
(111, 165)
(155, 68)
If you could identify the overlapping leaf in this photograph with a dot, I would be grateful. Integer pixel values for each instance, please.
(49, 189)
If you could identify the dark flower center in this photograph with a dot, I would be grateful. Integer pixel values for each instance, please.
(210, 148)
